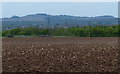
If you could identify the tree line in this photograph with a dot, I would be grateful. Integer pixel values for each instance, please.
(86, 31)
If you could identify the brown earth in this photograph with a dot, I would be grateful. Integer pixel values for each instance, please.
(60, 54)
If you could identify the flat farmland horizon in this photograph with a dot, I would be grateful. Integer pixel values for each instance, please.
(60, 54)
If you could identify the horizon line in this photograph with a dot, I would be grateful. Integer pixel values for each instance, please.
(58, 15)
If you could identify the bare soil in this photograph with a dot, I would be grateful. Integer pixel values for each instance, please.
(60, 54)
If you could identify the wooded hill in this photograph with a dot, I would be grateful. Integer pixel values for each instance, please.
(56, 21)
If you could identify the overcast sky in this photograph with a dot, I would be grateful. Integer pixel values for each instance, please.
(60, 8)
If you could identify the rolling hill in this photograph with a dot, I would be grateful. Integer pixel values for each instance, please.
(52, 21)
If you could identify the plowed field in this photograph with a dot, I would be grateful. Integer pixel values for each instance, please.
(60, 54)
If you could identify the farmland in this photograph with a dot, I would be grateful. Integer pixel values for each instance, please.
(60, 54)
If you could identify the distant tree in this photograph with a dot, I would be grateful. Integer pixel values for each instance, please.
(86, 31)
